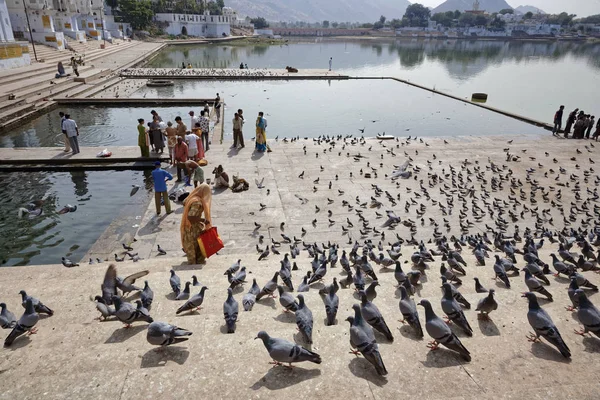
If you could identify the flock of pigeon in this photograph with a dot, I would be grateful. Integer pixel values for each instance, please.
(468, 191)
(201, 72)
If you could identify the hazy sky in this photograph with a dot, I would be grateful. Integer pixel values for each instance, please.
(580, 7)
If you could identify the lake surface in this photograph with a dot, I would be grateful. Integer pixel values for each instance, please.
(530, 78)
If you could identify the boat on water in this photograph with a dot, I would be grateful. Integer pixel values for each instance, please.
(159, 83)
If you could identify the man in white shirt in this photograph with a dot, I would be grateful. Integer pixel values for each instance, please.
(72, 132)
(194, 119)
(62, 119)
(191, 140)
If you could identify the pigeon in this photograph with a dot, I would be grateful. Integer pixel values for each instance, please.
(501, 273)
(543, 326)
(441, 333)
(127, 313)
(104, 309)
(332, 302)
(535, 286)
(161, 252)
(286, 300)
(194, 303)
(119, 259)
(409, 312)
(186, 292)
(303, 287)
(486, 305)
(373, 316)
(571, 291)
(163, 334)
(450, 276)
(68, 263)
(582, 282)
(234, 267)
(457, 295)
(286, 276)
(560, 267)
(319, 274)
(588, 315)
(230, 311)
(175, 283)
(249, 298)
(25, 324)
(282, 351)
(363, 340)
(127, 285)
(109, 284)
(264, 254)
(269, 288)
(399, 274)
(478, 287)
(7, 318)
(147, 296)
(126, 247)
(37, 305)
(134, 190)
(304, 320)
(536, 271)
(454, 311)
(195, 281)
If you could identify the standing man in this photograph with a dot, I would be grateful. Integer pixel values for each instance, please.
(194, 119)
(589, 127)
(181, 155)
(238, 138)
(330, 62)
(72, 132)
(570, 122)
(62, 128)
(218, 107)
(192, 143)
(558, 120)
(181, 128)
(160, 177)
(205, 126)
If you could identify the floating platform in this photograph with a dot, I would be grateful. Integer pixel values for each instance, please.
(229, 74)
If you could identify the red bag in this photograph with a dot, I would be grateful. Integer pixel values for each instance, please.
(210, 242)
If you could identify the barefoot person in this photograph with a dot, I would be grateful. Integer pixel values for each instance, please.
(193, 224)
(72, 130)
(143, 139)
(171, 134)
(261, 133)
(62, 128)
(160, 176)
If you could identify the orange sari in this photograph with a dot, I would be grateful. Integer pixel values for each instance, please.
(197, 203)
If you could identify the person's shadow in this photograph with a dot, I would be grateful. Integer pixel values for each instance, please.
(257, 155)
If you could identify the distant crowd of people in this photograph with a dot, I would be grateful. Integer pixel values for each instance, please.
(582, 124)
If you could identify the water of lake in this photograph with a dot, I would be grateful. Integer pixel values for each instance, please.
(530, 78)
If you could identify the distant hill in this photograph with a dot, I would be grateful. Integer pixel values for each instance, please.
(464, 5)
(526, 9)
(320, 10)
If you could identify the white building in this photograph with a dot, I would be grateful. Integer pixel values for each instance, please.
(13, 54)
(206, 25)
(235, 20)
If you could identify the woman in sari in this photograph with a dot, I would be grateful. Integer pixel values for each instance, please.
(143, 140)
(192, 223)
(261, 134)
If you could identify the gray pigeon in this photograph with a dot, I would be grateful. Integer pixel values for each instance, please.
(363, 340)
(109, 284)
(147, 296)
(535, 286)
(373, 316)
(7, 319)
(194, 303)
(370, 290)
(104, 309)
(319, 273)
(234, 267)
(454, 311)
(303, 287)
(249, 298)
(571, 291)
(175, 283)
(441, 333)
(399, 274)
(195, 281)
(479, 287)
(37, 305)
(282, 351)
(127, 313)
(582, 282)
(25, 324)
(186, 292)
(68, 263)
(304, 320)
(286, 300)
(536, 271)
(269, 288)
(163, 334)
(286, 276)
(127, 285)
(332, 303)
(456, 294)
(230, 311)
(486, 305)
(543, 326)
(587, 314)
(409, 312)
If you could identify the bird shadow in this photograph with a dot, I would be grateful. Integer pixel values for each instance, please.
(20, 342)
(155, 358)
(189, 313)
(223, 330)
(592, 344)
(488, 327)
(267, 301)
(317, 285)
(363, 369)
(171, 296)
(441, 358)
(325, 321)
(122, 334)
(289, 318)
(299, 339)
(238, 289)
(280, 377)
(408, 332)
(561, 279)
(547, 352)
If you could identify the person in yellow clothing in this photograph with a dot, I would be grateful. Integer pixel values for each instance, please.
(143, 139)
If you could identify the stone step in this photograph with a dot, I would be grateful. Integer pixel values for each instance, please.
(15, 111)
(91, 75)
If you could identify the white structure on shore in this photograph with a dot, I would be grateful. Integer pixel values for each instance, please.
(53, 22)
(205, 25)
(13, 54)
(235, 20)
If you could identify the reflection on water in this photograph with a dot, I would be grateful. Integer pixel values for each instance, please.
(530, 77)
(44, 239)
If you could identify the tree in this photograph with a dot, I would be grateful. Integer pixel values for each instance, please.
(444, 19)
(481, 20)
(507, 11)
(466, 19)
(137, 12)
(325, 24)
(259, 23)
(395, 23)
(592, 19)
(416, 15)
(335, 25)
(378, 25)
(562, 19)
(457, 14)
(367, 25)
(528, 15)
(382, 20)
(498, 23)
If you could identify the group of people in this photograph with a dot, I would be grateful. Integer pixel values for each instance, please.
(582, 124)
(61, 73)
